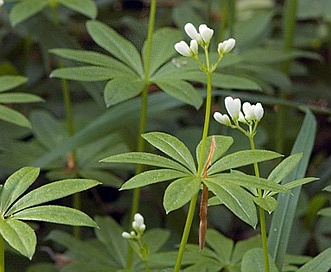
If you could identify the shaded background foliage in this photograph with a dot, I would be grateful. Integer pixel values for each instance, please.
(101, 131)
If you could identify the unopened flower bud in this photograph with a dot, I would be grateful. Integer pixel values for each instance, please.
(183, 49)
(126, 235)
(248, 111)
(206, 33)
(194, 47)
(233, 107)
(192, 32)
(222, 118)
(258, 111)
(226, 46)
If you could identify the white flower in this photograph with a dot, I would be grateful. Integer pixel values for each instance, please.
(206, 33)
(126, 235)
(192, 32)
(138, 223)
(233, 107)
(183, 49)
(222, 118)
(194, 47)
(258, 111)
(226, 46)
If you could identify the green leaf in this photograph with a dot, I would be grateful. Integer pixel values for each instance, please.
(243, 246)
(241, 158)
(14, 117)
(268, 203)
(162, 47)
(226, 81)
(122, 88)
(283, 217)
(114, 43)
(55, 214)
(325, 212)
(51, 191)
(110, 234)
(253, 261)
(236, 199)
(19, 98)
(173, 147)
(181, 90)
(299, 182)
(214, 201)
(10, 82)
(19, 235)
(283, 169)
(85, 73)
(85, 7)
(147, 159)
(25, 9)
(95, 59)
(223, 143)
(220, 244)
(179, 192)
(16, 185)
(327, 188)
(151, 177)
(155, 239)
(248, 182)
(321, 263)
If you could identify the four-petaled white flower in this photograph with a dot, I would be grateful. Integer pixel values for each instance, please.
(222, 118)
(226, 46)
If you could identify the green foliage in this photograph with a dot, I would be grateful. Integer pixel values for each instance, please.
(16, 207)
(7, 114)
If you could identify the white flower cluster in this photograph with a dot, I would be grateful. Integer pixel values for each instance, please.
(202, 38)
(251, 114)
(138, 228)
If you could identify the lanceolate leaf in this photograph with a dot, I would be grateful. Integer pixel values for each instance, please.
(51, 191)
(299, 182)
(284, 168)
(114, 43)
(86, 73)
(55, 214)
(16, 185)
(151, 177)
(10, 82)
(19, 98)
(253, 262)
(19, 235)
(94, 58)
(236, 199)
(25, 9)
(247, 181)
(86, 7)
(268, 203)
(171, 146)
(121, 89)
(179, 192)
(242, 158)
(181, 90)
(147, 159)
(14, 117)
(321, 263)
(222, 145)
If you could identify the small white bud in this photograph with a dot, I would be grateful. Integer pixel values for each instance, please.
(222, 118)
(206, 33)
(192, 32)
(233, 106)
(242, 118)
(138, 218)
(142, 228)
(248, 111)
(126, 235)
(258, 111)
(183, 49)
(226, 46)
(194, 47)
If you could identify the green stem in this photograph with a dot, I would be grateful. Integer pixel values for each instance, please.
(289, 21)
(193, 201)
(2, 254)
(143, 117)
(262, 214)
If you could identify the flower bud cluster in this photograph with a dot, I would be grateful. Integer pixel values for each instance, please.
(201, 38)
(138, 228)
(250, 114)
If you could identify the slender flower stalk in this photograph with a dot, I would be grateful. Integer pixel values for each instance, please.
(201, 38)
(251, 116)
(143, 117)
